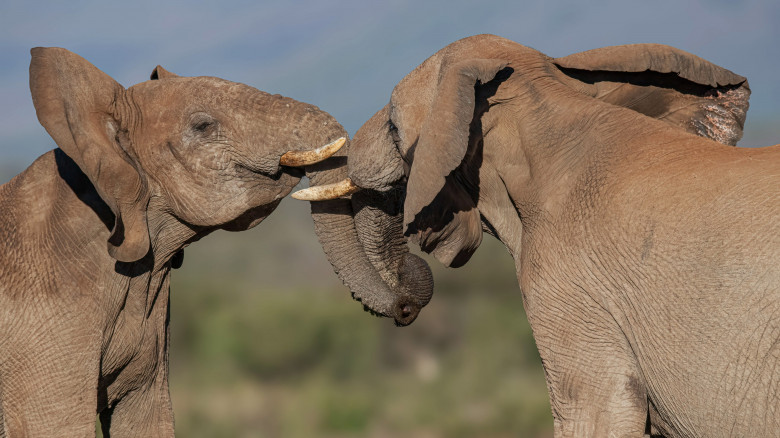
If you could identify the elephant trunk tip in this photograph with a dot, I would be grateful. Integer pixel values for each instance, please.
(405, 313)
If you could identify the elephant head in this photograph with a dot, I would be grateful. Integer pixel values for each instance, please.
(453, 121)
(176, 157)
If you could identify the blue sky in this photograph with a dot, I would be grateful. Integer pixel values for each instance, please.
(346, 56)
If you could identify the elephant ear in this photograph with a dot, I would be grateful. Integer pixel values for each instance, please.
(76, 103)
(665, 83)
(161, 73)
(440, 210)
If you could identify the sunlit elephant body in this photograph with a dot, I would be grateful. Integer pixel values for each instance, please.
(647, 255)
(147, 171)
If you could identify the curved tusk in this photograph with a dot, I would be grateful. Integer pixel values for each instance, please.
(327, 192)
(305, 158)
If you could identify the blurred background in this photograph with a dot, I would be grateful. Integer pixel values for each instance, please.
(266, 342)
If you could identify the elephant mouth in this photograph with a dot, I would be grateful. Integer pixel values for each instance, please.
(252, 217)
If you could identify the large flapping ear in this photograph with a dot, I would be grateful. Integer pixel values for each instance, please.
(665, 83)
(161, 73)
(447, 221)
(76, 104)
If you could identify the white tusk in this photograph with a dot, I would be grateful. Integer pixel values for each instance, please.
(327, 192)
(305, 158)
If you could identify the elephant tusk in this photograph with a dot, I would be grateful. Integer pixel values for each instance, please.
(305, 158)
(327, 192)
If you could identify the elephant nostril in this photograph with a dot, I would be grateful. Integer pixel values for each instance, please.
(405, 313)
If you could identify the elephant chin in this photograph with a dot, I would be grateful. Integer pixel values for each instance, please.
(251, 217)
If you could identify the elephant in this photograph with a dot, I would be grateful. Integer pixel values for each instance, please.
(91, 230)
(646, 246)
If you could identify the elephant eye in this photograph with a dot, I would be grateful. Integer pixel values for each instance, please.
(394, 133)
(203, 124)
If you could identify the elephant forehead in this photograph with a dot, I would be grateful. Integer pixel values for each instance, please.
(408, 117)
(410, 105)
(419, 86)
(203, 90)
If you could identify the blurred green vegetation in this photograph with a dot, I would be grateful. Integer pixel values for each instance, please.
(266, 342)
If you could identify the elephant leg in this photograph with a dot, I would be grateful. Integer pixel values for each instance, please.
(2, 417)
(615, 415)
(144, 412)
(597, 397)
(596, 388)
(50, 388)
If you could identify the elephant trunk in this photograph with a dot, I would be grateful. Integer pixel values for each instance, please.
(333, 219)
(379, 224)
(385, 278)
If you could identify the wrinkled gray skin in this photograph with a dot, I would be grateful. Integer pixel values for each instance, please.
(144, 172)
(362, 238)
(647, 255)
